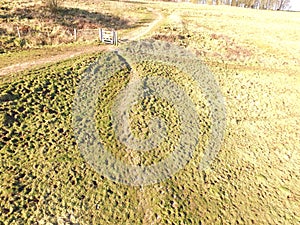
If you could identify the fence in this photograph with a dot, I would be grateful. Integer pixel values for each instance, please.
(108, 37)
(66, 36)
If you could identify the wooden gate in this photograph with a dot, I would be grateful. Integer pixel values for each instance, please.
(108, 37)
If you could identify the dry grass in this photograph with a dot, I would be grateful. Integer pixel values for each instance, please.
(39, 26)
(254, 179)
(255, 56)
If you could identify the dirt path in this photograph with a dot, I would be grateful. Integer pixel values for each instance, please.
(138, 34)
(134, 35)
(52, 59)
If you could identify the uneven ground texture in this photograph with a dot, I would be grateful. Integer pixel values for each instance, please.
(48, 39)
(38, 26)
(255, 178)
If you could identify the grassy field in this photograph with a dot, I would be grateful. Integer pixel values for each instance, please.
(47, 36)
(39, 27)
(255, 178)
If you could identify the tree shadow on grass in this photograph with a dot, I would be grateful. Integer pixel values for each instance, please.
(37, 25)
(83, 19)
(71, 18)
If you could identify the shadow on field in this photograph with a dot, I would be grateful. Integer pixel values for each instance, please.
(71, 18)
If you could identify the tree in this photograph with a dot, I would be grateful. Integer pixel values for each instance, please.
(268, 4)
(249, 3)
(53, 5)
(234, 2)
(283, 4)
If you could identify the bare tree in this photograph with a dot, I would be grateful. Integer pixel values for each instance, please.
(249, 3)
(263, 4)
(234, 2)
(268, 4)
(259, 4)
(283, 4)
(53, 5)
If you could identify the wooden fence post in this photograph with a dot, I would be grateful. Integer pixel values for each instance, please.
(115, 37)
(100, 34)
(75, 34)
(19, 34)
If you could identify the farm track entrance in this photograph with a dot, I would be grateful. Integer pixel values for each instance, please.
(134, 35)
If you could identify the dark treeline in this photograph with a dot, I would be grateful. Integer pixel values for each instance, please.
(257, 4)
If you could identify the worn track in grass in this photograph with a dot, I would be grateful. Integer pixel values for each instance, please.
(133, 35)
(255, 177)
